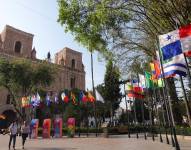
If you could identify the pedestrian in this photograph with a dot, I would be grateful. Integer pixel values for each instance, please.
(25, 130)
(13, 129)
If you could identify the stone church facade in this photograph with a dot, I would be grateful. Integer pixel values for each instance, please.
(15, 43)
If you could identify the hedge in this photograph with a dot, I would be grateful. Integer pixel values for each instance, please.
(126, 129)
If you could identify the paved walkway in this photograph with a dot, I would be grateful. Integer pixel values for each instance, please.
(91, 143)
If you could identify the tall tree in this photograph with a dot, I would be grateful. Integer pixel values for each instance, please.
(20, 77)
(112, 87)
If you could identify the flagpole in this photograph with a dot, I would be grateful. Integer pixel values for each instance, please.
(135, 115)
(188, 110)
(94, 103)
(164, 121)
(127, 112)
(170, 106)
(166, 98)
(157, 113)
(142, 110)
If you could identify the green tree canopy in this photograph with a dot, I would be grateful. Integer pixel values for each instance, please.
(21, 77)
(112, 93)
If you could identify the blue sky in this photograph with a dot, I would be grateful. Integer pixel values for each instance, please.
(39, 17)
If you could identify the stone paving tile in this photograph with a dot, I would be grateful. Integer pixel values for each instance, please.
(93, 143)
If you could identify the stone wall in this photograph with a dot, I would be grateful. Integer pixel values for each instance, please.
(63, 61)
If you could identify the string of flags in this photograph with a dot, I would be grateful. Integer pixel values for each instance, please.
(35, 100)
(175, 46)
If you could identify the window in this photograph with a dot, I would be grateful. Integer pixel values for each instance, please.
(73, 64)
(72, 83)
(18, 46)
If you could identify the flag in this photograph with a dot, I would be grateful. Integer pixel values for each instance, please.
(64, 97)
(185, 36)
(83, 97)
(35, 100)
(160, 82)
(135, 82)
(176, 65)
(25, 102)
(38, 97)
(176, 42)
(149, 82)
(90, 97)
(157, 69)
(48, 101)
(153, 72)
(134, 90)
(98, 96)
(135, 95)
(142, 81)
(56, 99)
(128, 86)
(73, 98)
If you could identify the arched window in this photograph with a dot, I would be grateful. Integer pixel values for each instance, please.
(18, 46)
(73, 63)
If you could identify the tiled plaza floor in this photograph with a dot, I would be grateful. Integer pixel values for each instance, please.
(92, 143)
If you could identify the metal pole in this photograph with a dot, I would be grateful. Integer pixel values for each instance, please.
(143, 118)
(170, 106)
(164, 121)
(127, 112)
(135, 115)
(94, 103)
(188, 110)
(142, 111)
(157, 113)
(152, 119)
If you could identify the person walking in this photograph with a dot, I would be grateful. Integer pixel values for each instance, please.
(25, 130)
(13, 129)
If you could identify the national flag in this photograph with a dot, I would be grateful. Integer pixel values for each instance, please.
(48, 101)
(157, 69)
(176, 42)
(185, 36)
(25, 102)
(64, 97)
(135, 82)
(135, 95)
(160, 82)
(142, 81)
(83, 97)
(73, 98)
(149, 82)
(38, 98)
(128, 86)
(56, 99)
(90, 97)
(134, 90)
(98, 96)
(153, 72)
(35, 100)
(176, 65)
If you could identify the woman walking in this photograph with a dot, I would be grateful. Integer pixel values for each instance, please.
(25, 129)
(13, 129)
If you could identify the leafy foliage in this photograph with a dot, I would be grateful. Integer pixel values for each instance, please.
(112, 90)
(20, 77)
